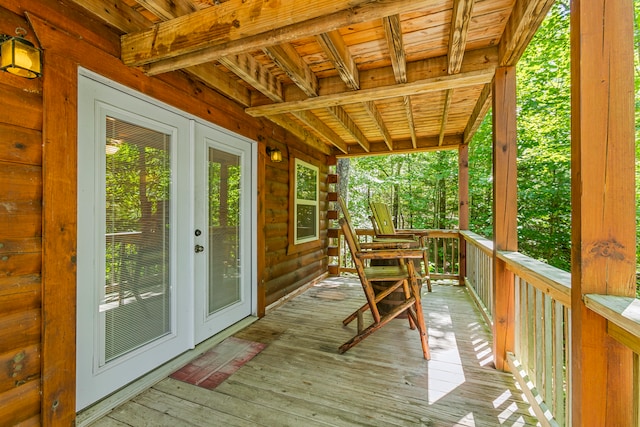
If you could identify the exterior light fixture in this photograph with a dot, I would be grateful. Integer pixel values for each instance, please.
(19, 56)
(274, 154)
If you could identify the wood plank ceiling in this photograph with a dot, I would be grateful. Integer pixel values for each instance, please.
(348, 77)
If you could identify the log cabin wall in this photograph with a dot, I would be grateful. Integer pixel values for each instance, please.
(20, 241)
(287, 270)
(37, 357)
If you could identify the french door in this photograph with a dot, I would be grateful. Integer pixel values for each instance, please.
(224, 206)
(166, 234)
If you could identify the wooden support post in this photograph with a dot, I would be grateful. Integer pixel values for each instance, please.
(59, 231)
(504, 210)
(463, 208)
(603, 205)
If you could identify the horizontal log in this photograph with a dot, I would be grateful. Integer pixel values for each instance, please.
(19, 367)
(20, 245)
(25, 223)
(20, 293)
(20, 145)
(20, 108)
(19, 330)
(20, 182)
(20, 404)
(20, 264)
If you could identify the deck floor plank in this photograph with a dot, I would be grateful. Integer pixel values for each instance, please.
(300, 379)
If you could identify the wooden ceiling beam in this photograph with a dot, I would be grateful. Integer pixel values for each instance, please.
(218, 80)
(458, 34)
(424, 144)
(395, 44)
(478, 114)
(337, 51)
(393, 35)
(324, 132)
(238, 26)
(125, 19)
(251, 71)
(526, 17)
(445, 115)
(286, 57)
(343, 118)
(168, 9)
(412, 127)
(442, 82)
(335, 48)
(116, 13)
(375, 115)
(301, 133)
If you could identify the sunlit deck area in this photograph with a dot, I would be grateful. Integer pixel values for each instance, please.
(300, 378)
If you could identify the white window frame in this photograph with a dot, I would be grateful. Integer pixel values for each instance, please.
(297, 202)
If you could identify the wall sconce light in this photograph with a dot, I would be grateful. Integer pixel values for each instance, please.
(274, 154)
(19, 56)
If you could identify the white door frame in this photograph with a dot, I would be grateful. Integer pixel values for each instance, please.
(91, 263)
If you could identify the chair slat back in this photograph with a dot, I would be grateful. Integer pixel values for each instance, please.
(382, 217)
(347, 218)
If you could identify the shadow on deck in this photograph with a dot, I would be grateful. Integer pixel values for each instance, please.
(300, 379)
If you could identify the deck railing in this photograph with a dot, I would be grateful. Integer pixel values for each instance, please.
(541, 355)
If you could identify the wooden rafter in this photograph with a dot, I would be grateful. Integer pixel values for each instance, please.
(522, 25)
(286, 57)
(126, 19)
(480, 110)
(251, 71)
(458, 34)
(235, 27)
(168, 9)
(392, 91)
(336, 50)
(333, 45)
(350, 126)
(301, 133)
(445, 115)
(393, 35)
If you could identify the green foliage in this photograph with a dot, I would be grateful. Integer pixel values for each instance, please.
(421, 188)
(544, 148)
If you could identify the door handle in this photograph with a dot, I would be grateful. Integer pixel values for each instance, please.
(199, 248)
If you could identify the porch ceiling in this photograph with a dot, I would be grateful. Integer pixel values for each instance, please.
(345, 76)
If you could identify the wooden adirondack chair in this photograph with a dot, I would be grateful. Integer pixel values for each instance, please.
(384, 229)
(401, 275)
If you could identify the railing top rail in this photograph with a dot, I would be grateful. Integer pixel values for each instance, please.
(623, 312)
(486, 245)
(550, 280)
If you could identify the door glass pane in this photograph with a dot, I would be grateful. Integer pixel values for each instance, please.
(224, 229)
(135, 308)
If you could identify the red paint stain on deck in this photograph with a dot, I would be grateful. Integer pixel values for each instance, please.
(219, 363)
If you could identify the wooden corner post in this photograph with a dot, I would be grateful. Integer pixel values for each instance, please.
(603, 205)
(463, 206)
(504, 210)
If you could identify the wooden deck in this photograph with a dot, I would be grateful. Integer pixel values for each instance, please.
(300, 379)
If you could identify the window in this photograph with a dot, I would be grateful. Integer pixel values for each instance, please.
(306, 204)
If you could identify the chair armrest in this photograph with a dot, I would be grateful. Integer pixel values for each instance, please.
(391, 254)
(390, 244)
